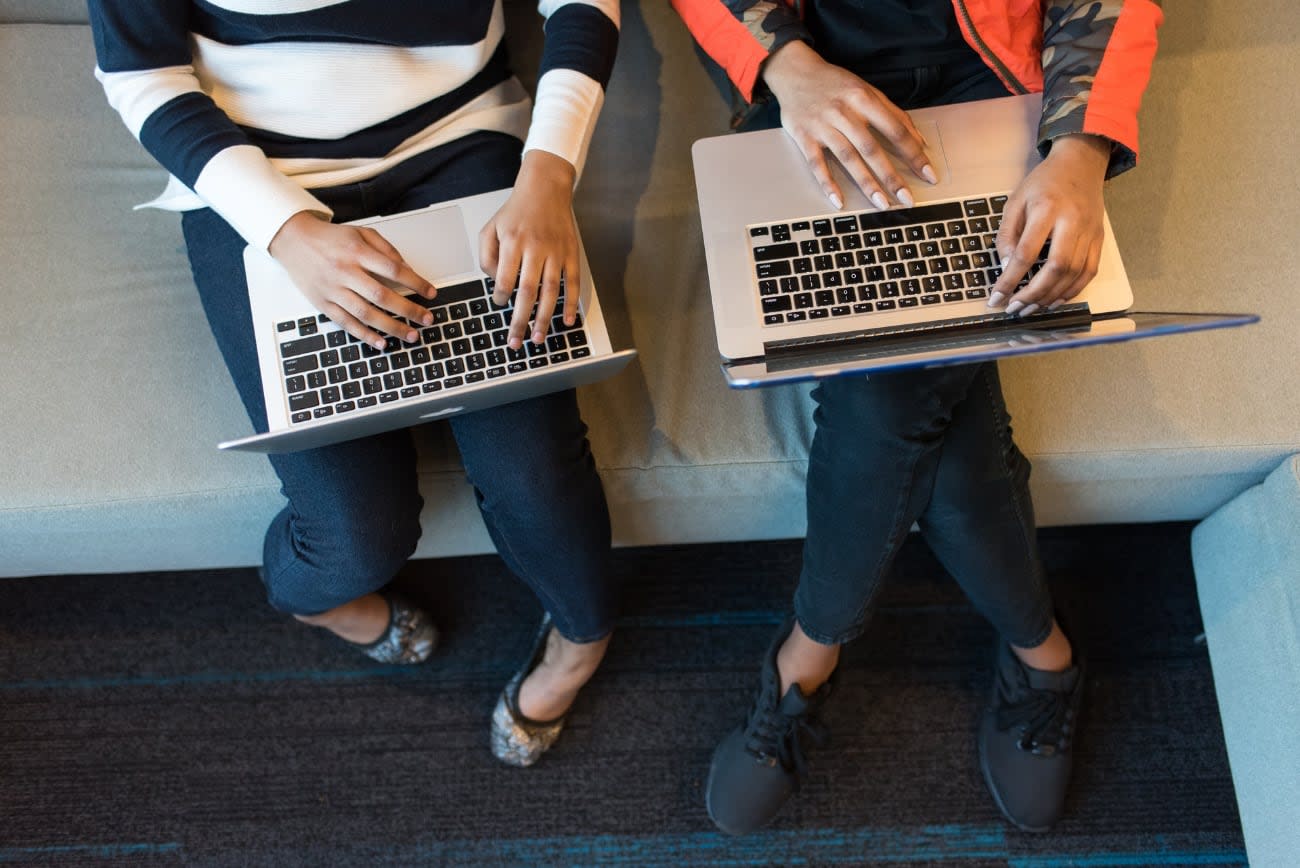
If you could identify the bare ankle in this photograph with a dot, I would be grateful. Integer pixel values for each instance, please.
(804, 661)
(362, 620)
(1054, 654)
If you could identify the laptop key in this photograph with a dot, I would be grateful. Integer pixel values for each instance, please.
(953, 296)
(303, 416)
(863, 307)
(289, 349)
(351, 390)
(517, 367)
(430, 388)
(537, 362)
(392, 380)
(840, 310)
(387, 397)
(773, 318)
(316, 379)
(303, 401)
(930, 299)
(367, 401)
(493, 373)
(767, 252)
(818, 313)
(583, 352)
(322, 412)
(908, 301)
(300, 365)
(475, 377)
(345, 407)
(792, 316)
(295, 384)
(886, 304)
(773, 269)
(410, 391)
(371, 385)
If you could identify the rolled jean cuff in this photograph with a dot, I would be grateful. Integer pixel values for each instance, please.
(1042, 628)
(823, 637)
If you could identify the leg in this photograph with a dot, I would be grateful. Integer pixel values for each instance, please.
(871, 470)
(353, 513)
(980, 524)
(544, 506)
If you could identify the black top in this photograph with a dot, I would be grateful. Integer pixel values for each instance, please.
(870, 36)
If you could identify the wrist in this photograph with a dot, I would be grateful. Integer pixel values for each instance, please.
(543, 168)
(291, 229)
(1089, 150)
(787, 64)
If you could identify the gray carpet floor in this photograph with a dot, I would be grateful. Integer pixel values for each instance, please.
(175, 719)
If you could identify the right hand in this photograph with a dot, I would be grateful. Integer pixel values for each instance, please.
(827, 108)
(338, 268)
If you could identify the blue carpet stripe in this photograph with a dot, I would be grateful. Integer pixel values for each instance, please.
(102, 851)
(1119, 860)
(786, 847)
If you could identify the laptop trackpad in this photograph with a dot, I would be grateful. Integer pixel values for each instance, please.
(434, 242)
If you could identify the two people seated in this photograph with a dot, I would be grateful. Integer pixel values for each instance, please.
(279, 125)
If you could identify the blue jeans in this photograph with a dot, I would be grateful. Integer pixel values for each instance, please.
(928, 446)
(352, 519)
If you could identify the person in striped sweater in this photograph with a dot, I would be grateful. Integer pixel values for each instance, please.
(278, 120)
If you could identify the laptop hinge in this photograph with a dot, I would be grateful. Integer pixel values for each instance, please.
(1065, 315)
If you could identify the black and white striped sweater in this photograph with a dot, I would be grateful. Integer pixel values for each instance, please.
(251, 103)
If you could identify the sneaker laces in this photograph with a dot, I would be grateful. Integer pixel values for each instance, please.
(1044, 717)
(773, 736)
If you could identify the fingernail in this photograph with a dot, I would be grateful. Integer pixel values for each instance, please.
(927, 172)
(878, 199)
(1054, 305)
(379, 345)
(1029, 308)
(537, 337)
(1015, 306)
(836, 201)
(905, 196)
(996, 299)
(412, 337)
(427, 319)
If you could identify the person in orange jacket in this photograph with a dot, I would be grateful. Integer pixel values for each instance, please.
(932, 447)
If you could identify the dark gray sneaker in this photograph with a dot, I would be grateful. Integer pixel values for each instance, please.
(1026, 738)
(760, 765)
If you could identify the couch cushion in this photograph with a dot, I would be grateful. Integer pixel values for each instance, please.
(43, 11)
(1247, 560)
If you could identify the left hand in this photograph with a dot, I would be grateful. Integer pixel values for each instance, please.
(533, 241)
(1061, 201)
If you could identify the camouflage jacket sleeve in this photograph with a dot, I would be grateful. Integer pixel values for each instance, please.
(738, 35)
(1097, 57)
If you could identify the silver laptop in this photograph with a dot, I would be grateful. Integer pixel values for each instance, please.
(801, 291)
(323, 386)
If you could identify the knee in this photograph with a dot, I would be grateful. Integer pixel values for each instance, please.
(319, 561)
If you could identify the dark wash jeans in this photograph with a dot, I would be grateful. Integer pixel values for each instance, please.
(353, 514)
(928, 446)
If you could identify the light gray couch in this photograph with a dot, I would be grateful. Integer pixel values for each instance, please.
(114, 395)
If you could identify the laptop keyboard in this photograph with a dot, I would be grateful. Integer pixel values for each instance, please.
(870, 262)
(328, 372)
